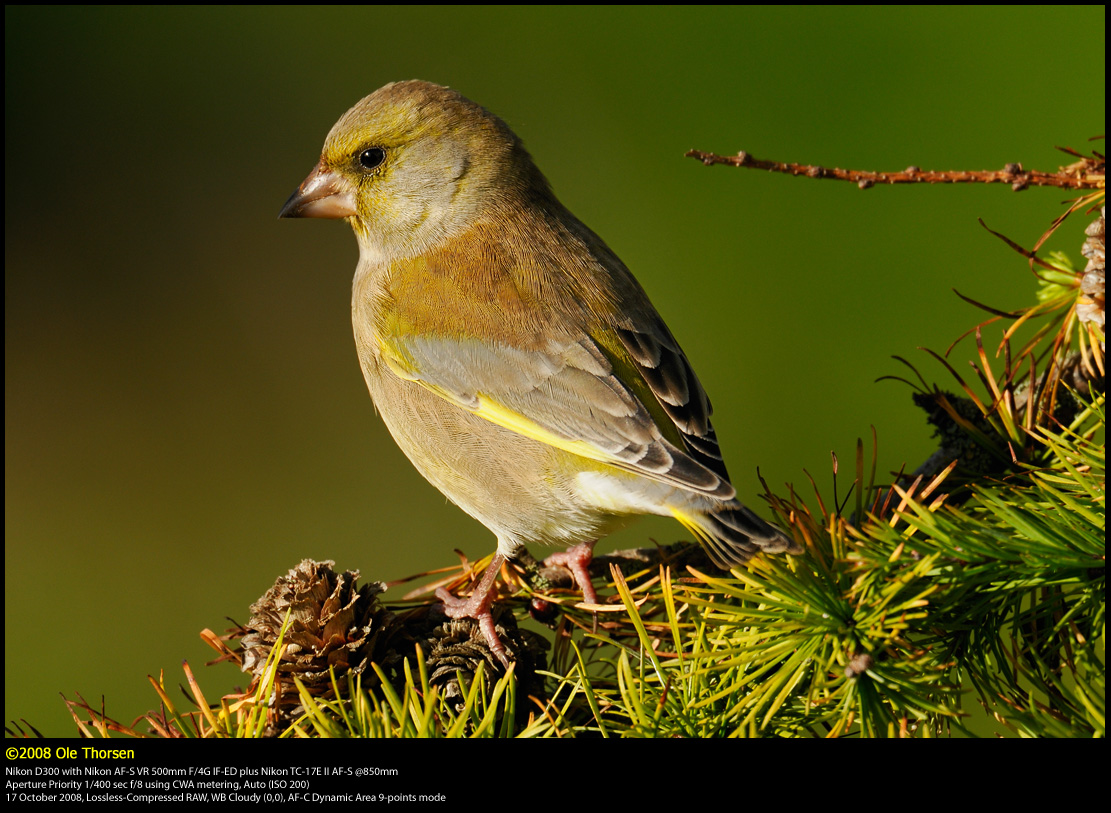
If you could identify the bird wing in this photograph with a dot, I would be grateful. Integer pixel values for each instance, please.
(623, 397)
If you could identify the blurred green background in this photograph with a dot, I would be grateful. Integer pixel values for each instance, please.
(185, 416)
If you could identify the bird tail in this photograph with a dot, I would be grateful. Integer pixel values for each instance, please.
(732, 534)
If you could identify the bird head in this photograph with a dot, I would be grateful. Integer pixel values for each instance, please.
(411, 165)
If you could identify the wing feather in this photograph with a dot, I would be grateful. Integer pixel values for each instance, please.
(569, 395)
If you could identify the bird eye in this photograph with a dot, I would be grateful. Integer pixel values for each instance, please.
(372, 158)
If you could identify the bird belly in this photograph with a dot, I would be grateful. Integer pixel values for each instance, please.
(523, 490)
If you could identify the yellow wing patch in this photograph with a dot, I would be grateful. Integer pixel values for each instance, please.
(489, 409)
(515, 422)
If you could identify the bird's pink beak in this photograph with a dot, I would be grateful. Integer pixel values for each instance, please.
(322, 194)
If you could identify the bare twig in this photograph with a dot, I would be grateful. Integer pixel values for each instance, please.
(1087, 173)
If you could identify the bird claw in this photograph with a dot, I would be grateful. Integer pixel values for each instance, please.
(577, 559)
(477, 606)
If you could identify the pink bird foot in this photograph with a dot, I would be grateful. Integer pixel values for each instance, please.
(477, 606)
(577, 559)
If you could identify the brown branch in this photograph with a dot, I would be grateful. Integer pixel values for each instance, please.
(1088, 173)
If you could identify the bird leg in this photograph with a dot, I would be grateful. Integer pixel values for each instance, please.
(577, 559)
(477, 606)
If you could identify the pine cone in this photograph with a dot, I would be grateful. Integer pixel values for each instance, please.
(333, 624)
(1091, 307)
(457, 646)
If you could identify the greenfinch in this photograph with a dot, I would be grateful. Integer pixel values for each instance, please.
(513, 357)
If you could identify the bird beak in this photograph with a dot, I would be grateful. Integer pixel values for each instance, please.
(322, 194)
